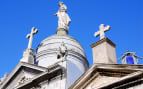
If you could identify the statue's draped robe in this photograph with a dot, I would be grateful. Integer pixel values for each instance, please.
(64, 19)
(61, 51)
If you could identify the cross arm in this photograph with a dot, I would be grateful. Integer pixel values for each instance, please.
(96, 34)
(107, 28)
(34, 30)
(28, 36)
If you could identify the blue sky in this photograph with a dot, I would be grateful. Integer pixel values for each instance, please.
(17, 17)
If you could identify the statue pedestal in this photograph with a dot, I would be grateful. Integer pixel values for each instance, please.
(28, 56)
(104, 51)
(61, 31)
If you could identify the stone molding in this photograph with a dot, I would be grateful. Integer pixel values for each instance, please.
(103, 40)
(131, 75)
(48, 75)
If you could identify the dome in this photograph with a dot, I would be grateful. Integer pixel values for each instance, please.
(76, 62)
(46, 53)
(63, 50)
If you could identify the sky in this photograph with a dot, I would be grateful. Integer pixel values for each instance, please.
(17, 17)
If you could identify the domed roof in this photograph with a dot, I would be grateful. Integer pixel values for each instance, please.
(63, 50)
(47, 50)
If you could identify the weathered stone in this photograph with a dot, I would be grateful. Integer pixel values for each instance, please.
(101, 31)
(104, 52)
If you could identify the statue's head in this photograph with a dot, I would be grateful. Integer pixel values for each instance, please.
(101, 26)
(61, 3)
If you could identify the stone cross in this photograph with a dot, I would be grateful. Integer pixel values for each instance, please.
(101, 31)
(30, 36)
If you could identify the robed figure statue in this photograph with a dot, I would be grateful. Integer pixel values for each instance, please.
(63, 18)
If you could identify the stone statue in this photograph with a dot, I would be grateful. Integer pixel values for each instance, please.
(102, 31)
(63, 18)
(62, 51)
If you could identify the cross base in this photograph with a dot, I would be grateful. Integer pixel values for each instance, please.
(28, 56)
(104, 52)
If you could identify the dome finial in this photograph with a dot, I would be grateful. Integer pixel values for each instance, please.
(63, 20)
